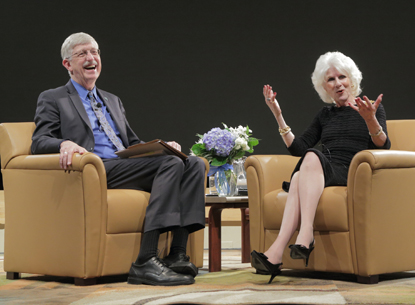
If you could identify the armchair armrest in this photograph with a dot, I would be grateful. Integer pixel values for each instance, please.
(380, 207)
(71, 215)
(51, 162)
(265, 173)
(378, 159)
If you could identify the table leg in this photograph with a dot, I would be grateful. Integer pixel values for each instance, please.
(245, 238)
(215, 246)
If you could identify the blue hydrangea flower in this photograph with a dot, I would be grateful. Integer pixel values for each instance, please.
(220, 140)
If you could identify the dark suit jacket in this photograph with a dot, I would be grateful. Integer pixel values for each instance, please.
(60, 115)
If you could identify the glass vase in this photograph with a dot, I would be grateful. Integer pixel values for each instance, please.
(238, 167)
(225, 182)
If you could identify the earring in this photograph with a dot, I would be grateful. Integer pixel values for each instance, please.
(352, 86)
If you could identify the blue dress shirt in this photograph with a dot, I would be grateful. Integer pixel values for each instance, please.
(104, 148)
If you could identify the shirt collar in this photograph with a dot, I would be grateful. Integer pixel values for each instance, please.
(83, 93)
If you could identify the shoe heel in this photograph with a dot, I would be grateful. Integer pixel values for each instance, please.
(272, 277)
(310, 249)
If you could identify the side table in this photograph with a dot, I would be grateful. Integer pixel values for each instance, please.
(217, 204)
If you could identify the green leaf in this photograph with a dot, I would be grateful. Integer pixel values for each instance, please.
(216, 162)
(253, 142)
(198, 149)
(239, 155)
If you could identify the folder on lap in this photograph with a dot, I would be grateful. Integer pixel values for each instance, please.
(156, 147)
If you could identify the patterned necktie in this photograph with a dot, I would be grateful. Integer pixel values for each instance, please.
(104, 122)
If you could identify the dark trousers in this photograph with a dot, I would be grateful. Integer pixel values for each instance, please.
(177, 189)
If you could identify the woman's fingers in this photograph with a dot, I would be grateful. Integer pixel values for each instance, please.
(378, 100)
(268, 94)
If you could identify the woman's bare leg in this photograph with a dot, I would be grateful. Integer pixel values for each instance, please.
(310, 188)
(306, 188)
(289, 223)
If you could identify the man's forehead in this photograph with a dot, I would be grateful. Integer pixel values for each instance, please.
(86, 46)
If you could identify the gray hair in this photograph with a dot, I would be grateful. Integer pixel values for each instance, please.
(73, 40)
(343, 64)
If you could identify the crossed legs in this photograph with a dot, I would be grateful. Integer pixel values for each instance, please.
(306, 187)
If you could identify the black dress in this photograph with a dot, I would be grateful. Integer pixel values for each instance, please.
(342, 133)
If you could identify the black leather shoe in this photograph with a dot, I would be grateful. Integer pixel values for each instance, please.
(155, 272)
(180, 263)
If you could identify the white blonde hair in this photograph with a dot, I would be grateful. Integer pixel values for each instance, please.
(343, 64)
(73, 40)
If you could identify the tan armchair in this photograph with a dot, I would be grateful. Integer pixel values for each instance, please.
(366, 228)
(67, 223)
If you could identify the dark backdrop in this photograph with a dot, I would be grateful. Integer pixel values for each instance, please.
(183, 67)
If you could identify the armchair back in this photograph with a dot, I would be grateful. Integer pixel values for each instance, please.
(15, 140)
(398, 131)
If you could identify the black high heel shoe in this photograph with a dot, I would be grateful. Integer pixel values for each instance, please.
(301, 252)
(260, 262)
(259, 268)
(257, 263)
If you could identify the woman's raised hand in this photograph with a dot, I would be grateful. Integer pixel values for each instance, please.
(271, 100)
(366, 109)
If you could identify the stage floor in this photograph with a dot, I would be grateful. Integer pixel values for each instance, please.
(237, 283)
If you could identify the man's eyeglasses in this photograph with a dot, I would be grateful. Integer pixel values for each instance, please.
(83, 53)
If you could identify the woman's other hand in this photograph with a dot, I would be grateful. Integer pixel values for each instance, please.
(271, 100)
(366, 109)
(287, 137)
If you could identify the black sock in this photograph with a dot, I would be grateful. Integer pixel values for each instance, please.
(179, 243)
(149, 245)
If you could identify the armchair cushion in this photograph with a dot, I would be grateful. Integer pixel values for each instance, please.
(126, 211)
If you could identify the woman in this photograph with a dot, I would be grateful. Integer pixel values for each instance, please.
(346, 127)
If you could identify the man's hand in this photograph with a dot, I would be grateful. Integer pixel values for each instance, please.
(68, 148)
(175, 145)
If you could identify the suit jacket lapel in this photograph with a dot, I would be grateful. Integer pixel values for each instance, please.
(76, 100)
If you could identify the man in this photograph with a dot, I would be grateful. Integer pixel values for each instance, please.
(80, 118)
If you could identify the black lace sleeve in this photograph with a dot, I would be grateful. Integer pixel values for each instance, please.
(381, 117)
(309, 138)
